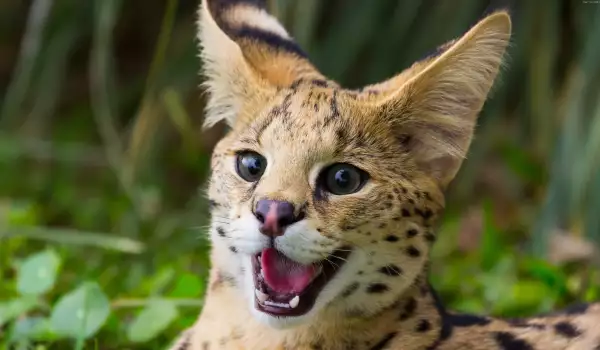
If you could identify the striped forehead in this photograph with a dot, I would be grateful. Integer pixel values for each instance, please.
(299, 109)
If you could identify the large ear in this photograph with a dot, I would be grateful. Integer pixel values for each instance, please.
(433, 106)
(247, 55)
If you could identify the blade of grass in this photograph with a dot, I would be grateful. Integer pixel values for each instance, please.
(180, 118)
(75, 237)
(28, 55)
(563, 191)
(101, 87)
(146, 121)
(13, 148)
(135, 303)
(51, 77)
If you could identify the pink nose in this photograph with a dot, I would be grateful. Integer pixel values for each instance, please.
(275, 216)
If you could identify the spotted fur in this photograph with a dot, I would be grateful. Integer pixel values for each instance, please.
(409, 133)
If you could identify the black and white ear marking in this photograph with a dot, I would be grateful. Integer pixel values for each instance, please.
(247, 55)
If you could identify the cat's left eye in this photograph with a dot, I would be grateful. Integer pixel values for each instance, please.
(342, 179)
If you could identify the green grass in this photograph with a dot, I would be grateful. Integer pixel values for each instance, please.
(103, 162)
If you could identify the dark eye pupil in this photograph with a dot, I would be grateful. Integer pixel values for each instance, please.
(342, 178)
(253, 164)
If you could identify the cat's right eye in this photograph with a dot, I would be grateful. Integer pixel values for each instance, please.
(250, 165)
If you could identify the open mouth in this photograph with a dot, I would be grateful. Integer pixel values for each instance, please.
(284, 287)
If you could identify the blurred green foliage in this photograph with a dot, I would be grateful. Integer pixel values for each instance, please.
(102, 159)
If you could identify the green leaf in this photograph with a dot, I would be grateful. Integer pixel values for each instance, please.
(469, 305)
(22, 214)
(14, 308)
(155, 318)
(158, 282)
(188, 285)
(81, 312)
(31, 328)
(37, 274)
(552, 276)
(524, 298)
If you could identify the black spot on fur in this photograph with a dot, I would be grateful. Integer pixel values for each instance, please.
(412, 233)
(377, 288)
(427, 214)
(221, 231)
(391, 270)
(413, 252)
(350, 290)
(233, 249)
(205, 345)
(405, 213)
(429, 237)
(462, 320)
(566, 329)
(319, 82)
(423, 326)
(391, 238)
(384, 342)
(212, 204)
(520, 323)
(409, 309)
(507, 341)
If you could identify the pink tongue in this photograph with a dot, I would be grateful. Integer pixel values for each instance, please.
(284, 275)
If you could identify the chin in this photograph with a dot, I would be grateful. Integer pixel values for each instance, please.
(279, 322)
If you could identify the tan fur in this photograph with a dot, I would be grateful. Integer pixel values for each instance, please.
(409, 133)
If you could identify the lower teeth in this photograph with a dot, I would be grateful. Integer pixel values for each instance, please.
(263, 298)
(270, 303)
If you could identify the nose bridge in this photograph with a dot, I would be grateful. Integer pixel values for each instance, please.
(286, 184)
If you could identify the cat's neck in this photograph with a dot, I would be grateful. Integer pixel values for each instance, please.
(414, 320)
